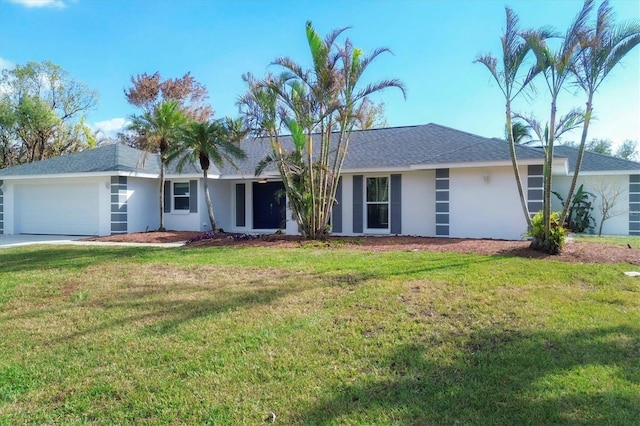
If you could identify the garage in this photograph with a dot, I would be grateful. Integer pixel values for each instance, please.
(57, 208)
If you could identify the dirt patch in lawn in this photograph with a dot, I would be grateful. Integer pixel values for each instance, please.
(576, 252)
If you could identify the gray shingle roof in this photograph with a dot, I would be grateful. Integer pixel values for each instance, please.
(594, 162)
(108, 158)
(401, 147)
(395, 147)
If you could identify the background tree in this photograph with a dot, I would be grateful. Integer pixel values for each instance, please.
(602, 47)
(217, 141)
(600, 146)
(628, 150)
(609, 195)
(42, 110)
(512, 83)
(157, 130)
(372, 115)
(148, 91)
(319, 108)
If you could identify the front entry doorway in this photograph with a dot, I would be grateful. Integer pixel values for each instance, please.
(269, 208)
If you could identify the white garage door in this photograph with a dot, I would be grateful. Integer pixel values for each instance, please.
(59, 209)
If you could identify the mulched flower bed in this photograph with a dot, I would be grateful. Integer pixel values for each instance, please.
(576, 252)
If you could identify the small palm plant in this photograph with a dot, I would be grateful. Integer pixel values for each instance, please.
(216, 142)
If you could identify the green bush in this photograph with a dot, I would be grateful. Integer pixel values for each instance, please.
(557, 235)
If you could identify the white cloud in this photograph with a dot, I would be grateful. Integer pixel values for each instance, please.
(6, 65)
(58, 4)
(110, 127)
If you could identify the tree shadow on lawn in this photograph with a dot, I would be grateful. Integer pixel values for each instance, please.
(63, 257)
(161, 312)
(501, 377)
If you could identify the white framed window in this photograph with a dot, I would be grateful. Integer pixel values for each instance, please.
(377, 203)
(181, 196)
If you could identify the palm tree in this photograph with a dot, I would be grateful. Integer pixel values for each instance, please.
(556, 68)
(157, 130)
(603, 47)
(514, 52)
(318, 107)
(217, 142)
(521, 133)
(566, 123)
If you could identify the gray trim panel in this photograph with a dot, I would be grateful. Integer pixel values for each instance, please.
(241, 215)
(358, 208)
(535, 170)
(396, 204)
(193, 196)
(336, 212)
(442, 202)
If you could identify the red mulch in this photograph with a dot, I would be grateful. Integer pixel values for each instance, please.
(576, 252)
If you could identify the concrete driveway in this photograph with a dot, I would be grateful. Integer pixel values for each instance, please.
(25, 240)
(7, 241)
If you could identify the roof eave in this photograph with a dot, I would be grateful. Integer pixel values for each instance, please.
(81, 175)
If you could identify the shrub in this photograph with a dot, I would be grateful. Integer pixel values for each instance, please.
(557, 235)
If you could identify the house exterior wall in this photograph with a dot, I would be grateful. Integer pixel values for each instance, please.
(220, 193)
(183, 220)
(417, 200)
(143, 203)
(618, 225)
(484, 203)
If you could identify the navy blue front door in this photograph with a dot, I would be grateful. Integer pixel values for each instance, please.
(269, 210)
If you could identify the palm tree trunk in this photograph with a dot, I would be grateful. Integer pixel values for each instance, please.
(547, 178)
(207, 197)
(576, 171)
(162, 179)
(516, 170)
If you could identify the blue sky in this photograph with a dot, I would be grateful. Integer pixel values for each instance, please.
(104, 42)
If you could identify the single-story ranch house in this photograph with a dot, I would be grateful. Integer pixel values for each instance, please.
(426, 180)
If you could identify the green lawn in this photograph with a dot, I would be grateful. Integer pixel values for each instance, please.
(607, 239)
(314, 335)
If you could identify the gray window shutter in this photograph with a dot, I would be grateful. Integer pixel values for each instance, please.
(336, 215)
(240, 205)
(358, 198)
(396, 204)
(193, 196)
(167, 196)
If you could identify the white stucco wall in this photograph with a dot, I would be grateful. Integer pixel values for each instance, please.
(220, 192)
(486, 210)
(418, 203)
(143, 204)
(183, 220)
(618, 225)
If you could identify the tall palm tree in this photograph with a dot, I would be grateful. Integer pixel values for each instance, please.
(207, 142)
(318, 107)
(603, 47)
(556, 68)
(508, 77)
(157, 130)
